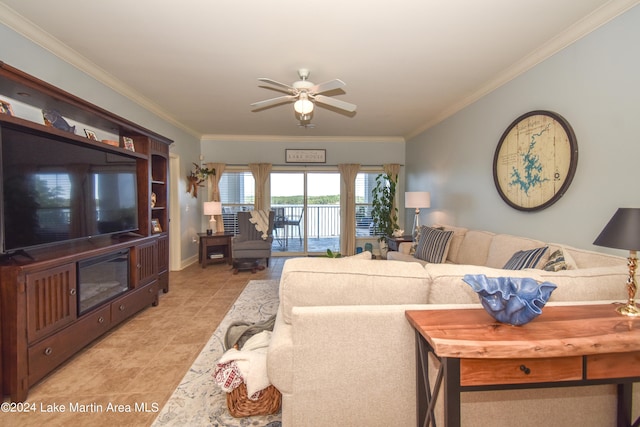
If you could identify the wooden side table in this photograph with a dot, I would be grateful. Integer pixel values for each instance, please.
(217, 243)
(393, 243)
(565, 346)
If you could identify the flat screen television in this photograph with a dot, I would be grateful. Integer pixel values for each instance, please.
(56, 190)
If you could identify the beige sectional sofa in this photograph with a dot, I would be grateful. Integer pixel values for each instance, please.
(343, 353)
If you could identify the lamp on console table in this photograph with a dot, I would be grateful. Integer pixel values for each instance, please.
(212, 208)
(417, 200)
(623, 232)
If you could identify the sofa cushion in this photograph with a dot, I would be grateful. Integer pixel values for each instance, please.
(361, 255)
(587, 284)
(474, 248)
(433, 244)
(503, 246)
(447, 286)
(402, 256)
(456, 241)
(525, 259)
(583, 258)
(350, 281)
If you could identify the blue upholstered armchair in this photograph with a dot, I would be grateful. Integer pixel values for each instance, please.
(248, 243)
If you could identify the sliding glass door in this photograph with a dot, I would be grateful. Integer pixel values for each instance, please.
(307, 207)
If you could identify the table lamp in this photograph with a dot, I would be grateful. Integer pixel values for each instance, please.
(212, 208)
(623, 232)
(417, 200)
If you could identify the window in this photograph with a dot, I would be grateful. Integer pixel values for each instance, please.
(365, 183)
(237, 193)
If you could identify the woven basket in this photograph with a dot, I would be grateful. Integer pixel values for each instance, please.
(240, 406)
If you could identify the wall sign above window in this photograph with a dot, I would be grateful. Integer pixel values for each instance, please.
(535, 160)
(305, 156)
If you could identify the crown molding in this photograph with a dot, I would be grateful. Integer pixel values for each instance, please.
(574, 33)
(45, 40)
(286, 138)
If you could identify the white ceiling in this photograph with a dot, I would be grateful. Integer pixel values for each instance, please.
(407, 64)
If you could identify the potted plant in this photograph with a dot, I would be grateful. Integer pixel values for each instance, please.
(331, 254)
(383, 212)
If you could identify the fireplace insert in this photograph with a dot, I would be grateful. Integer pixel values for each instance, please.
(102, 278)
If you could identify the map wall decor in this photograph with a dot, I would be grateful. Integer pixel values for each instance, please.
(535, 160)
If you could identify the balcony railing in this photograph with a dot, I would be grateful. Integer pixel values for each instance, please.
(323, 221)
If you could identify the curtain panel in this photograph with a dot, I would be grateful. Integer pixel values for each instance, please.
(348, 172)
(261, 172)
(214, 190)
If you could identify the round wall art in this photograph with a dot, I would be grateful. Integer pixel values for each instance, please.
(535, 160)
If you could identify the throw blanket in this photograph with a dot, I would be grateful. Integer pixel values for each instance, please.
(261, 221)
(248, 365)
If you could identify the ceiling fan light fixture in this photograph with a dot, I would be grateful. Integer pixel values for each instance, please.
(303, 106)
(304, 94)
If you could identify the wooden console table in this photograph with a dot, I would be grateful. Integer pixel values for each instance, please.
(565, 346)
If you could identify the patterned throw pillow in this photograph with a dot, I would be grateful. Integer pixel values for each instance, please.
(525, 259)
(560, 259)
(433, 245)
(414, 244)
(556, 262)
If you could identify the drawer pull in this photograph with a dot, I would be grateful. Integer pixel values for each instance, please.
(48, 351)
(524, 369)
(121, 307)
(72, 291)
(100, 319)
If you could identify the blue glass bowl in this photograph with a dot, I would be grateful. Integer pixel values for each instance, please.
(512, 300)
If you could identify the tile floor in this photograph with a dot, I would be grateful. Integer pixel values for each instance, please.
(125, 377)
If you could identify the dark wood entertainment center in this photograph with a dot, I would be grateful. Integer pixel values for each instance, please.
(41, 323)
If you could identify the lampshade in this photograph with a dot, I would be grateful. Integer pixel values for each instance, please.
(303, 105)
(212, 208)
(417, 199)
(622, 231)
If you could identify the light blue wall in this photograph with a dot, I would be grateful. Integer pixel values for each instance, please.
(23, 54)
(595, 85)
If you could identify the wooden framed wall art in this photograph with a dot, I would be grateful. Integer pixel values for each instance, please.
(535, 160)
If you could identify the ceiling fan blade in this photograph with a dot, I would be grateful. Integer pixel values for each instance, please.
(335, 103)
(327, 86)
(272, 101)
(275, 83)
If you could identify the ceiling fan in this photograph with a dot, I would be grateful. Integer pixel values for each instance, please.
(305, 94)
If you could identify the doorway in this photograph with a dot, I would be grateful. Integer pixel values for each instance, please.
(307, 207)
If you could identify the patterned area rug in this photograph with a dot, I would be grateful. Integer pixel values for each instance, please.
(198, 401)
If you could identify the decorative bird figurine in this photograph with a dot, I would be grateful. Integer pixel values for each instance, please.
(53, 118)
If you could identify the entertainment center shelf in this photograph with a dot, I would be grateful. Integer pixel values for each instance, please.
(67, 286)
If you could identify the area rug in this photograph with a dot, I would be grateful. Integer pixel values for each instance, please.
(198, 401)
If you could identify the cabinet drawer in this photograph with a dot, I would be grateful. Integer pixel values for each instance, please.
(133, 302)
(52, 351)
(613, 365)
(213, 241)
(518, 371)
